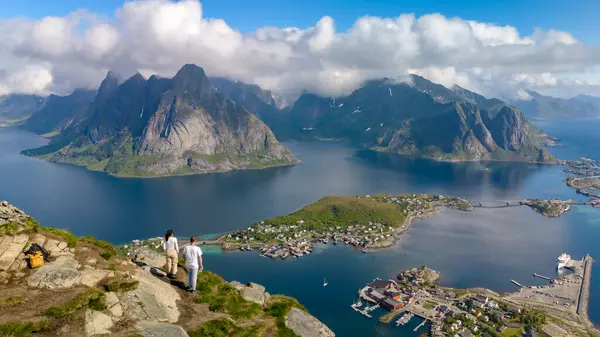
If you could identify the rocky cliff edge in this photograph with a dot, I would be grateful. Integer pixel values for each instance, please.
(91, 288)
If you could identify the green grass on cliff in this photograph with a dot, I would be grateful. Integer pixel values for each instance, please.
(23, 329)
(344, 211)
(279, 309)
(225, 328)
(91, 298)
(222, 297)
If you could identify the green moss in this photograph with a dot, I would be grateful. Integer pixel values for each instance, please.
(91, 298)
(225, 328)
(121, 285)
(222, 297)
(65, 235)
(10, 228)
(23, 329)
(12, 300)
(108, 249)
(280, 307)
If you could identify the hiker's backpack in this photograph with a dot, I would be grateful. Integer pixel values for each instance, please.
(37, 248)
(36, 255)
(35, 260)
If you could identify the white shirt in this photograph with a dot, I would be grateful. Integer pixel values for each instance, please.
(171, 244)
(191, 254)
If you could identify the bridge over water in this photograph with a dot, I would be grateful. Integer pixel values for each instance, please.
(496, 203)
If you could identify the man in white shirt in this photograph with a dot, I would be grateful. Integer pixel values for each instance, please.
(193, 263)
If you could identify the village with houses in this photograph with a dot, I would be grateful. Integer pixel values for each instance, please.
(556, 309)
(365, 222)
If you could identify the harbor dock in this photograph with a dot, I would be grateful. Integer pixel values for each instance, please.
(584, 293)
(517, 283)
(542, 276)
(420, 325)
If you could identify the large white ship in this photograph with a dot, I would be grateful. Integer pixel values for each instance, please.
(562, 260)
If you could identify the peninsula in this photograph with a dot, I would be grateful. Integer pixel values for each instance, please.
(557, 308)
(367, 222)
(86, 287)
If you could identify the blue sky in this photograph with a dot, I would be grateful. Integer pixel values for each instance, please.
(577, 17)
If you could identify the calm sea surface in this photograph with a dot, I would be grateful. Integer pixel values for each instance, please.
(481, 248)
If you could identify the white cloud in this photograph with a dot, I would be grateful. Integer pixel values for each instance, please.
(158, 36)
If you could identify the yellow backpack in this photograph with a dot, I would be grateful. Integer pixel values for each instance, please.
(35, 260)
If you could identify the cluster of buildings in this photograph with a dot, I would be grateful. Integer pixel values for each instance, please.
(463, 315)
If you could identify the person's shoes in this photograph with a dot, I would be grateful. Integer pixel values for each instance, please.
(172, 276)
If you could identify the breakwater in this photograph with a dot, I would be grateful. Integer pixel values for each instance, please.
(584, 293)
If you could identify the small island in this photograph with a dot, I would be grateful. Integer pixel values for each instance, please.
(558, 308)
(584, 180)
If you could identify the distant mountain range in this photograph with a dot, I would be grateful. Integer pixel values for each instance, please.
(419, 117)
(535, 105)
(192, 123)
(416, 117)
(158, 126)
(17, 108)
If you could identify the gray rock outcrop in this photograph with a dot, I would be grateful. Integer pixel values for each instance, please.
(306, 325)
(9, 214)
(97, 323)
(153, 329)
(60, 274)
(152, 300)
(10, 248)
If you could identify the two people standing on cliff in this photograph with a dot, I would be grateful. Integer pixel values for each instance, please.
(192, 255)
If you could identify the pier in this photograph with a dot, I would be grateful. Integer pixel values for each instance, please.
(517, 283)
(420, 325)
(584, 293)
(542, 276)
(390, 315)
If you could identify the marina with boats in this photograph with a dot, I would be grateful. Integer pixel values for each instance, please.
(472, 312)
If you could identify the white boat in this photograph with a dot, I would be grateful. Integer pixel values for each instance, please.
(562, 260)
(325, 283)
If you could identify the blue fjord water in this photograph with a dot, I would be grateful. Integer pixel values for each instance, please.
(481, 248)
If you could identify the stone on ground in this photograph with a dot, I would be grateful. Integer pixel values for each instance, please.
(11, 248)
(305, 325)
(153, 329)
(97, 323)
(253, 295)
(256, 286)
(57, 248)
(152, 300)
(91, 277)
(60, 274)
(116, 310)
(111, 299)
(237, 285)
(151, 257)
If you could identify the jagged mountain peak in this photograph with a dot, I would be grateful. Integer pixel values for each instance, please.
(192, 80)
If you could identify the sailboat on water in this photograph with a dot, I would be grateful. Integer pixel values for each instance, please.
(325, 282)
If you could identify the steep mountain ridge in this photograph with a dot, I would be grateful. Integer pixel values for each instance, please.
(260, 102)
(167, 126)
(419, 117)
(60, 112)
